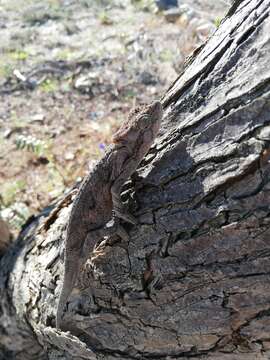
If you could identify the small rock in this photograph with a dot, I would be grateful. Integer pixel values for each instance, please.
(187, 11)
(152, 90)
(264, 133)
(19, 75)
(184, 8)
(31, 84)
(86, 81)
(38, 118)
(147, 78)
(205, 29)
(186, 19)
(166, 4)
(7, 133)
(190, 13)
(172, 15)
(69, 156)
(95, 115)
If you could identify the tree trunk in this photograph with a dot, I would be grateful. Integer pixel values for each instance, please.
(193, 282)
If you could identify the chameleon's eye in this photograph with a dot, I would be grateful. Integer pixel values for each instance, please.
(144, 121)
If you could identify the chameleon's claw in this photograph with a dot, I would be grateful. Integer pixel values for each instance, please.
(114, 227)
(120, 231)
(155, 283)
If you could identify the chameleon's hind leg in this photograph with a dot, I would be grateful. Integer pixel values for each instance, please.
(94, 237)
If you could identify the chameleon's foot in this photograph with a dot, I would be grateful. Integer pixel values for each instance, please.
(116, 228)
(125, 215)
(121, 232)
(156, 283)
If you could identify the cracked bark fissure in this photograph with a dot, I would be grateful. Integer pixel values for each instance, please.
(193, 281)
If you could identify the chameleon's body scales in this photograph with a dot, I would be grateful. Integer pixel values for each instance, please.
(99, 194)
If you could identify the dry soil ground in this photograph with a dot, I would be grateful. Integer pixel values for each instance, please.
(69, 73)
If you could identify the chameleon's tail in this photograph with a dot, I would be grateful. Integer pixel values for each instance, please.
(70, 276)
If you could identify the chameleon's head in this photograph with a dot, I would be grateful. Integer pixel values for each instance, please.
(151, 115)
(140, 120)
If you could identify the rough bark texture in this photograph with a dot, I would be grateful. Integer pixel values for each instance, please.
(202, 198)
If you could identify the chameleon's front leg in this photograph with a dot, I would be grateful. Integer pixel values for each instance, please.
(127, 162)
(119, 209)
(119, 174)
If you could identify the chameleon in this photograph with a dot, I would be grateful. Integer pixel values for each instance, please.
(5, 237)
(98, 200)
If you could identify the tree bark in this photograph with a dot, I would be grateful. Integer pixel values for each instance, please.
(193, 280)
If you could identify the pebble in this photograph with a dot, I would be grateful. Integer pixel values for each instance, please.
(205, 29)
(38, 117)
(172, 15)
(69, 156)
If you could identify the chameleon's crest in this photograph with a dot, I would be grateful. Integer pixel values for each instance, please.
(141, 117)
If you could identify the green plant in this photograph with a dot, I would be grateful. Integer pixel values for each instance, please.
(15, 215)
(30, 143)
(10, 190)
(49, 85)
(64, 54)
(130, 94)
(217, 22)
(166, 55)
(105, 19)
(18, 55)
(6, 70)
